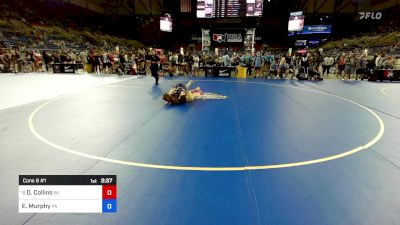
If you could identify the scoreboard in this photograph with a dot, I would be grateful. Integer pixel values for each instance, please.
(229, 8)
(67, 194)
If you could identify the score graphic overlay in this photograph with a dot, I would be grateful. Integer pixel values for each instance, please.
(67, 194)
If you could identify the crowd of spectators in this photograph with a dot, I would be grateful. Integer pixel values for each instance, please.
(20, 52)
(36, 53)
(24, 53)
(344, 63)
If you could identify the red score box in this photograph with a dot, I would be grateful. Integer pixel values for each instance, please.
(109, 191)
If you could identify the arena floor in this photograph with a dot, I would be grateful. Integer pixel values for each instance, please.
(276, 152)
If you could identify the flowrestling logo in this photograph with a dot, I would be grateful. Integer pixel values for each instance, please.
(370, 15)
(230, 38)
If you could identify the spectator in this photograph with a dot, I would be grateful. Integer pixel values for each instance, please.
(258, 62)
(172, 64)
(180, 62)
(283, 67)
(72, 56)
(234, 60)
(21, 62)
(326, 65)
(196, 61)
(273, 70)
(388, 63)
(84, 59)
(396, 64)
(348, 69)
(226, 59)
(341, 62)
(106, 63)
(46, 60)
(304, 62)
(266, 63)
(5, 61)
(163, 62)
(362, 67)
(242, 60)
(38, 61)
(248, 59)
(14, 60)
(189, 62)
(97, 63)
(379, 61)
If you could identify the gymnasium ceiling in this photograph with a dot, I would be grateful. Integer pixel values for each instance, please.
(124, 7)
(158, 7)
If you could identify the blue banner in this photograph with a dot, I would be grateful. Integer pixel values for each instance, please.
(317, 29)
(313, 29)
(314, 42)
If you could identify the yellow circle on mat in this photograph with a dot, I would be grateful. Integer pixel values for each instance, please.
(199, 168)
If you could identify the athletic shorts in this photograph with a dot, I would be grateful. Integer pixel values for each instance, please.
(348, 69)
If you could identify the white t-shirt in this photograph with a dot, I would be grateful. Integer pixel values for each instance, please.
(326, 61)
(378, 61)
(331, 61)
(196, 61)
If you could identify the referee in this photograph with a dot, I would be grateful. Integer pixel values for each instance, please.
(154, 61)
